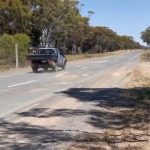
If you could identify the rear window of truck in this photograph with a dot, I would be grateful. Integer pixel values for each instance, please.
(46, 51)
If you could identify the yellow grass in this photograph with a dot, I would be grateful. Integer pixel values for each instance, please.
(87, 55)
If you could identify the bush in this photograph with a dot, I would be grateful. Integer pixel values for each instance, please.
(22, 40)
(7, 48)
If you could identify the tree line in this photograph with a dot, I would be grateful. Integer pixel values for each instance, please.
(58, 23)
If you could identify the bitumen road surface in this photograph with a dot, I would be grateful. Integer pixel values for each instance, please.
(53, 110)
(27, 89)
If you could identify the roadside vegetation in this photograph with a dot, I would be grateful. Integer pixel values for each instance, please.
(72, 57)
(135, 131)
(7, 49)
(56, 23)
(146, 56)
(141, 79)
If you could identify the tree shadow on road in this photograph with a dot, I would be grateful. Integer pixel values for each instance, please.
(24, 136)
(123, 110)
(126, 101)
(113, 109)
(118, 107)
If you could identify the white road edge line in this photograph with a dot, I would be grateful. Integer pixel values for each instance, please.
(58, 75)
(117, 74)
(24, 83)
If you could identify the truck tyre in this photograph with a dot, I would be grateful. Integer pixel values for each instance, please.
(46, 68)
(63, 67)
(34, 69)
(54, 66)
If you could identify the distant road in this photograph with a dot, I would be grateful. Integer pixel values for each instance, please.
(26, 89)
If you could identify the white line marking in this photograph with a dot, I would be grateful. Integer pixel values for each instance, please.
(63, 83)
(100, 62)
(134, 57)
(116, 74)
(103, 61)
(22, 83)
(7, 76)
(3, 90)
(58, 75)
(30, 107)
(85, 75)
(83, 68)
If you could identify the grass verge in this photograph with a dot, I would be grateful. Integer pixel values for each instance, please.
(141, 80)
(146, 56)
(87, 55)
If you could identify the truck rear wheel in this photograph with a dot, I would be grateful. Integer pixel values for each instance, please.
(54, 67)
(63, 67)
(46, 68)
(34, 69)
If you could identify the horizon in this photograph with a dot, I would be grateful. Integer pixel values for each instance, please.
(131, 18)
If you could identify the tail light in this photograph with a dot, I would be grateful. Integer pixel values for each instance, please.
(29, 61)
(49, 61)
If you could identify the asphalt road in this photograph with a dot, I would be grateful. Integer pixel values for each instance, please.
(24, 90)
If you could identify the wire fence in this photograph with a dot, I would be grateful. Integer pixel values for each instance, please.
(8, 56)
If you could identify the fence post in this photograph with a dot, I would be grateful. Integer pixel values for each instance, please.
(16, 53)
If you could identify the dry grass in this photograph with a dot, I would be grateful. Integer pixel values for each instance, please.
(133, 136)
(87, 55)
(4, 68)
(146, 55)
(141, 79)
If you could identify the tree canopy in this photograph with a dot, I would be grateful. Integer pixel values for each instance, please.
(59, 23)
(145, 35)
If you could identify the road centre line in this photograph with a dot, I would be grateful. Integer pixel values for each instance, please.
(12, 75)
(85, 75)
(58, 75)
(3, 90)
(63, 83)
(100, 62)
(24, 83)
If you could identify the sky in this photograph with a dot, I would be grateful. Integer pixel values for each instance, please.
(126, 17)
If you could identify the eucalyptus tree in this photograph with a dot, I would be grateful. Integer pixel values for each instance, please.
(145, 35)
(14, 17)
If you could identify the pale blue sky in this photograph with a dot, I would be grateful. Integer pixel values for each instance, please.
(126, 17)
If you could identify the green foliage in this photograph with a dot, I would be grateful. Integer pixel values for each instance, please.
(7, 54)
(23, 41)
(101, 39)
(146, 35)
(7, 48)
(14, 16)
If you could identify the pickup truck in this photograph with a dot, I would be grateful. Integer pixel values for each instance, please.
(46, 58)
